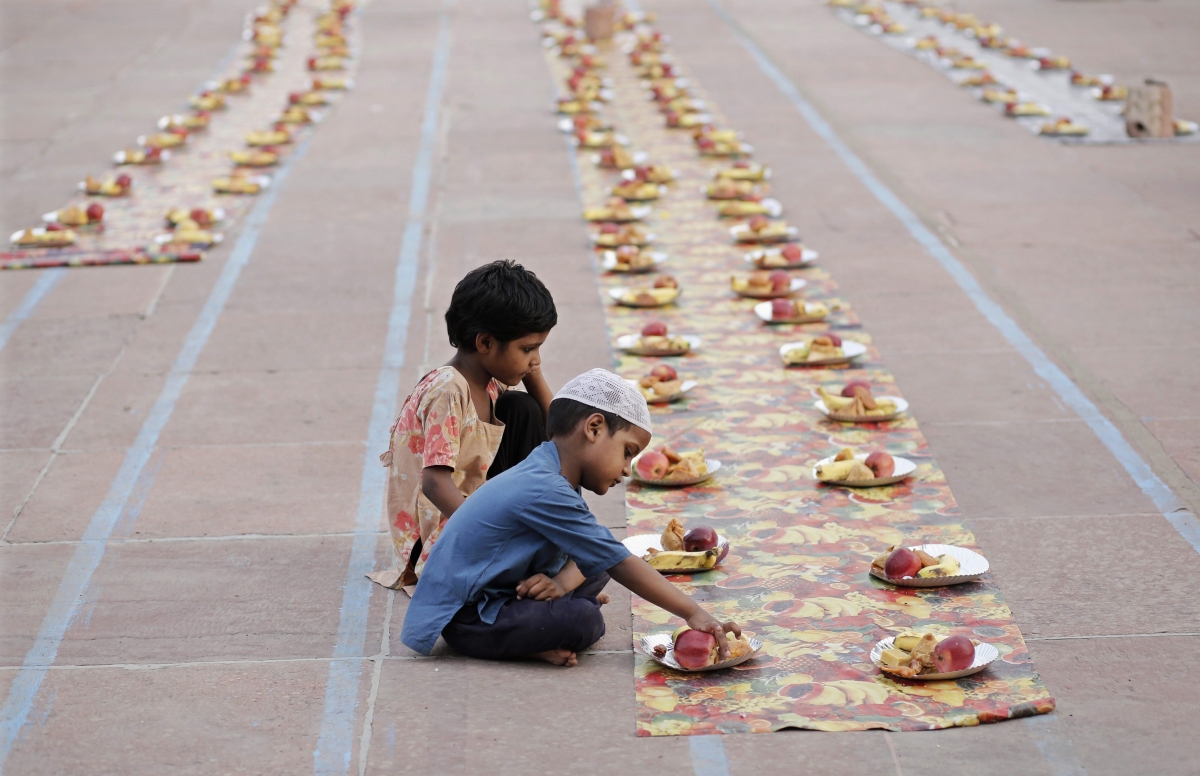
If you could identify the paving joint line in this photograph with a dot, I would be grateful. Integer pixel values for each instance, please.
(30, 302)
(178, 539)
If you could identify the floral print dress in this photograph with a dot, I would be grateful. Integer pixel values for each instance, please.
(437, 426)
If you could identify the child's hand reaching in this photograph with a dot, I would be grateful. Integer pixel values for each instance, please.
(540, 587)
(703, 621)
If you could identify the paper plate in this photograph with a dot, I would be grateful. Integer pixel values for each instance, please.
(683, 389)
(37, 230)
(163, 239)
(620, 140)
(608, 263)
(797, 284)
(636, 213)
(629, 343)
(741, 233)
(630, 175)
(120, 156)
(662, 191)
(904, 468)
(901, 407)
(773, 207)
(639, 157)
(594, 237)
(763, 311)
(852, 350)
(617, 293)
(713, 468)
(972, 565)
(766, 172)
(567, 125)
(638, 544)
(984, 655)
(648, 644)
(52, 218)
(807, 256)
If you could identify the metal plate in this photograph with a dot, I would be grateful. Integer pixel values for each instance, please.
(971, 565)
(985, 654)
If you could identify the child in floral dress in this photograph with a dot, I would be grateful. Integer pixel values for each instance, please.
(461, 424)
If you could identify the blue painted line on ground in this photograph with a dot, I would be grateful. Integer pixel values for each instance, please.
(708, 756)
(90, 551)
(1110, 436)
(335, 742)
(33, 297)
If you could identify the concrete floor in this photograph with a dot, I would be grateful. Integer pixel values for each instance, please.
(204, 642)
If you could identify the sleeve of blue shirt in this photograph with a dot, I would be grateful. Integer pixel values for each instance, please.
(563, 518)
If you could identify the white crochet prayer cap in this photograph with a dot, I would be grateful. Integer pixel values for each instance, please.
(603, 390)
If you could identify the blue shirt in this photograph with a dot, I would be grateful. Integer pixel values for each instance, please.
(526, 521)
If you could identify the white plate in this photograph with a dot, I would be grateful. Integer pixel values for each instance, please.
(797, 284)
(163, 239)
(763, 311)
(773, 207)
(662, 192)
(683, 389)
(901, 407)
(52, 218)
(807, 256)
(568, 125)
(629, 344)
(639, 544)
(609, 262)
(620, 140)
(741, 231)
(904, 468)
(263, 181)
(713, 468)
(630, 175)
(649, 237)
(619, 291)
(639, 157)
(984, 655)
(851, 349)
(38, 230)
(971, 564)
(636, 213)
(766, 175)
(648, 644)
(119, 156)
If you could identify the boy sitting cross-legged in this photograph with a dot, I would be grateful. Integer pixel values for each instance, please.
(519, 570)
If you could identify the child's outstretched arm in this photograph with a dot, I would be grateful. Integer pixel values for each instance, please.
(438, 486)
(636, 574)
(535, 386)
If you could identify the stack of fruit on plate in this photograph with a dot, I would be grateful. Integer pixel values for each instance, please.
(821, 348)
(698, 549)
(856, 402)
(696, 650)
(846, 468)
(666, 465)
(664, 291)
(905, 563)
(765, 285)
(915, 654)
(661, 385)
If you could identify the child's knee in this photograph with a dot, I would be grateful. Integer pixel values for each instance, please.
(587, 625)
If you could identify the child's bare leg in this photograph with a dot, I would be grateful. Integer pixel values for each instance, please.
(558, 657)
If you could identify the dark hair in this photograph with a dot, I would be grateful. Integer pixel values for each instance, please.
(566, 414)
(502, 299)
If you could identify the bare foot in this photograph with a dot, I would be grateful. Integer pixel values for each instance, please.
(558, 657)
(602, 598)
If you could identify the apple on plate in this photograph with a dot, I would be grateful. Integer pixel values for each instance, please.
(653, 466)
(124, 181)
(954, 653)
(903, 562)
(695, 649)
(851, 386)
(780, 281)
(95, 212)
(654, 329)
(609, 228)
(700, 539)
(758, 223)
(666, 281)
(793, 253)
(881, 463)
(664, 372)
(783, 309)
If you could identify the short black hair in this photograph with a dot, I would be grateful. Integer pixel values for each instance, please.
(502, 299)
(566, 414)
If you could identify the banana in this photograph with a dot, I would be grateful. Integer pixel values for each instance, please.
(834, 402)
(835, 471)
(947, 566)
(673, 559)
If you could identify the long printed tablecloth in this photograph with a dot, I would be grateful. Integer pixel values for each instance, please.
(797, 573)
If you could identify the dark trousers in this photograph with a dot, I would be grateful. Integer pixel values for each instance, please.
(524, 430)
(527, 627)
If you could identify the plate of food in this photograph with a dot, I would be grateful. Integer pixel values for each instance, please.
(871, 470)
(615, 235)
(109, 187)
(1020, 109)
(790, 256)
(932, 657)
(74, 215)
(268, 137)
(656, 341)
(856, 404)
(766, 285)
(929, 565)
(780, 311)
(663, 385)
(667, 468)
(41, 237)
(698, 549)
(202, 216)
(689, 650)
(241, 184)
(617, 158)
(649, 173)
(664, 291)
(732, 189)
(190, 121)
(190, 234)
(163, 140)
(590, 139)
(617, 210)
(630, 259)
(763, 231)
(1063, 127)
(638, 191)
(255, 157)
(141, 156)
(744, 208)
(745, 171)
(1002, 95)
(821, 350)
(584, 122)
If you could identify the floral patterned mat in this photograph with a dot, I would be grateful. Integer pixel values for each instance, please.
(797, 574)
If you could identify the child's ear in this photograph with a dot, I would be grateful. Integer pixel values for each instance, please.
(593, 427)
(484, 342)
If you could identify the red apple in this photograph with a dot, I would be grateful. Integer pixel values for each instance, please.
(695, 649)
(607, 228)
(758, 223)
(793, 253)
(95, 211)
(55, 226)
(642, 172)
(607, 158)
(834, 339)
(903, 562)
(780, 281)
(664, 372)
(782, 309)
(699, 539)
(848, 391)
(200, 216)
(881, 463)
(124, 181)
(627, 252)
(742, 165)
(951, 654)
(653, 466)
(705, 143)
(654, 329)
(666, 281)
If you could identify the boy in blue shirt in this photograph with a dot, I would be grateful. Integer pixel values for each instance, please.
(519, 570)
